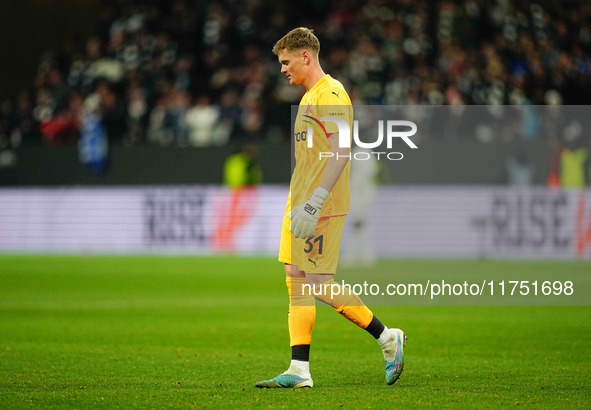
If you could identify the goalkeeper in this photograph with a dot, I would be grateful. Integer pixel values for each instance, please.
(312, 228)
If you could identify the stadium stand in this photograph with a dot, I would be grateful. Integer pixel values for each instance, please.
(198, 73)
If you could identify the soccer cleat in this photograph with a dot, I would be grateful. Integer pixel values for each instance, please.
(285, 381)
(394, 355)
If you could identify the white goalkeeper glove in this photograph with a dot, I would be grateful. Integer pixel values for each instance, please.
(304, 217)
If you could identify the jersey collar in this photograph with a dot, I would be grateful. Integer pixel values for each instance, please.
(324, 78)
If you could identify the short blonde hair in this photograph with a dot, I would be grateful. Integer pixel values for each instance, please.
(298, 39)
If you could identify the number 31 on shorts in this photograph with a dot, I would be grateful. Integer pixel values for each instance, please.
(310, 242)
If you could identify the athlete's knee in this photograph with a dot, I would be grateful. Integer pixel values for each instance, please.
(318, 279)
(293, 272)
(323, 286)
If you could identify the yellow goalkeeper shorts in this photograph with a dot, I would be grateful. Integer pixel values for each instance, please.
(319, 254)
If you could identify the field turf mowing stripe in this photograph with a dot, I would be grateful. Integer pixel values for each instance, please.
(181, 332)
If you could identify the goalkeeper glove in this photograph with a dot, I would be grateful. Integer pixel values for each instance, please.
(304, 217)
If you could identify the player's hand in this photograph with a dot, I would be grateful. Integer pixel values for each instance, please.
(304, 217)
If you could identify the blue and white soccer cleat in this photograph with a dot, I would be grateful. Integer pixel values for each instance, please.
(394, 355)
(285, 381)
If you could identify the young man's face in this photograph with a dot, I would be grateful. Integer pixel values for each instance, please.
(293, 65)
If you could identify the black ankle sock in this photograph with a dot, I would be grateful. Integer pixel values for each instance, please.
(375, 327)
(301, 353)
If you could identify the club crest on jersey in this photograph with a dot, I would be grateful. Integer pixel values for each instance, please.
(317, 126)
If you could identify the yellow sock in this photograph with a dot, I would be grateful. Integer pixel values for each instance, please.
(302, 313)
(346, 303)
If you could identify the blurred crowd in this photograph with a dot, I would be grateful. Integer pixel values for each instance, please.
(201, 73)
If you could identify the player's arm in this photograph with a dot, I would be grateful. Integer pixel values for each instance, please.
(335, 164)
(304, 218)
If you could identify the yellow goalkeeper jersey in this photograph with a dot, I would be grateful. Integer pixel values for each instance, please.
(327, 98)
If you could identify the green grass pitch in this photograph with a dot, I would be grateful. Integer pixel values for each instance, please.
(156, 332)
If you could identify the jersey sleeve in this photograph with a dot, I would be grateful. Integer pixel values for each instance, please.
(334, 102)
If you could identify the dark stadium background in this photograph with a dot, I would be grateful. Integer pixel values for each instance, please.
(386, 52)
(134, 277)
